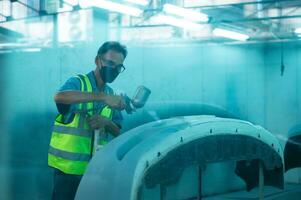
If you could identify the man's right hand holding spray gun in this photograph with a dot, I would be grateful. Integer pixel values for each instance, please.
(118, 102)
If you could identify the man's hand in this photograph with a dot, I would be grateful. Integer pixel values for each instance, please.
(115, 101)
(97, 122)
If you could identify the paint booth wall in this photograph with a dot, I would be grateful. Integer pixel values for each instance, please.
(283, 93)
(243, 79)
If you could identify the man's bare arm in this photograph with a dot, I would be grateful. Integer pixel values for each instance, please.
(71, 97)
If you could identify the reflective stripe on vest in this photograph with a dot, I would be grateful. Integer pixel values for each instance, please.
(70, 144)
(72, 131)
(68, 155)
(106, 112)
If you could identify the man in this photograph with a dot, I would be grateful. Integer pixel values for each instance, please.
(85, 103)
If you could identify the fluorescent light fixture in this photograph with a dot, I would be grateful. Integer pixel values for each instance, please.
(298, 30)
(12, 45)
(182, 23)
(112, 6)
(138, 2)
(186, 13)
(230, 34)
(31, 50)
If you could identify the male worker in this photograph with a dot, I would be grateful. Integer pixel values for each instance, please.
(85, 103)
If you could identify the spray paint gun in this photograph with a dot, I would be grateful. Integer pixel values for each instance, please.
(138, 101)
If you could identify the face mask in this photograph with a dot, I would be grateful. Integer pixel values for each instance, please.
(108, 74)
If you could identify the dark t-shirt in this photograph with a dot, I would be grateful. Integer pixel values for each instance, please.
(73, 83)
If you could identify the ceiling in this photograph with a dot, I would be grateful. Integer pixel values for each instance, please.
(262, 20)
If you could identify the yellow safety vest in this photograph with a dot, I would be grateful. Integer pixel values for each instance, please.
(71, 144)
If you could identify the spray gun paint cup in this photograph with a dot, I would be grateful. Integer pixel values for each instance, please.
(141, 95)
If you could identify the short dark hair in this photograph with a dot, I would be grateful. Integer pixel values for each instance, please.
(112, 45)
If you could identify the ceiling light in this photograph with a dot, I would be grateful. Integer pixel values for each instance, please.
(138, 2)
(186, 13)
(230, 34)
(31, 50)
(11, 44)
(175, 22)
(112, 6)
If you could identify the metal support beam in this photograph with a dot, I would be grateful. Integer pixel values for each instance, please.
(55, 31)
(260, 181)
(199, 171)
(67, 3)
(28, 6)
(244, 3)
(9, 33)
(162, 192)
(2, 15)
(256, 19)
